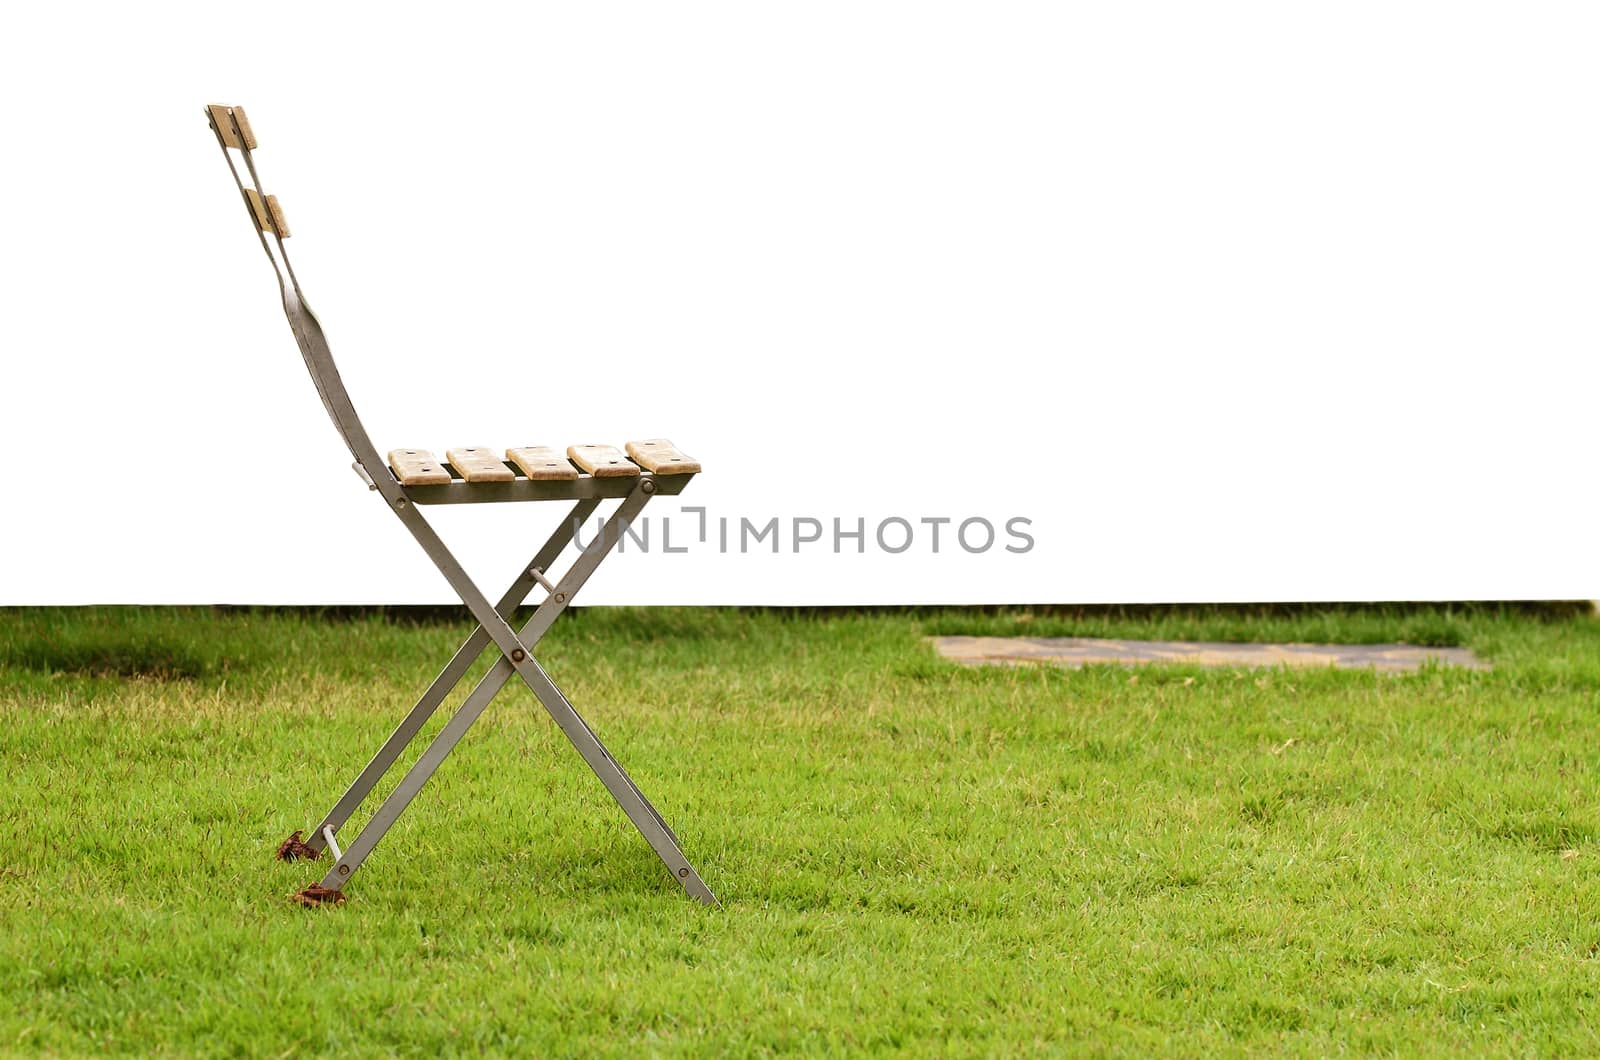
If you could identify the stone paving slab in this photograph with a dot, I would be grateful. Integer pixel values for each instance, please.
(1080, 651)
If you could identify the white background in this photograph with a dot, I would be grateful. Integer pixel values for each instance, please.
(1235, 301)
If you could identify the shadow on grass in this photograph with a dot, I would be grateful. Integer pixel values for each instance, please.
(125, 657)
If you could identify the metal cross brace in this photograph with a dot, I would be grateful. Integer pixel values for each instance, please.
(516, 659)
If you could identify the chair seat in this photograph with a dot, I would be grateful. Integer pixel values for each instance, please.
(539, 472)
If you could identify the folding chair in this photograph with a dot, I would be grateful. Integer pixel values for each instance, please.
(410, 478)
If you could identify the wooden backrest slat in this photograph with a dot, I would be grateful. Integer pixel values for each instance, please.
(233, 128)
(222, 121)
(245, 132)
(275, 213)
(258, 210)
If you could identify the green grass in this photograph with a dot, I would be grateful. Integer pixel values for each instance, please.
(912, 856)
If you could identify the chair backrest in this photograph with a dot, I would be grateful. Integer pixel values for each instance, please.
(236, 137)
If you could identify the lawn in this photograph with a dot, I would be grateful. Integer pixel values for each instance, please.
(912, 856)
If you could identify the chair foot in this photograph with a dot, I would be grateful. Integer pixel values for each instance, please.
(317, 895)
(293, 849)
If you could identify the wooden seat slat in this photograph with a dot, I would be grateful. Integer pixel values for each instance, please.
(478, 463)
(418, 467)
(602, 461)
(541, 463)
(661, 457)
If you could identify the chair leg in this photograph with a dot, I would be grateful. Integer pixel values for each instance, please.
(621, 786)
(644, 816)
(448, 678)
(417, 776)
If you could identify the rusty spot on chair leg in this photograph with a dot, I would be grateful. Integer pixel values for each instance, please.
(292, 849)
(316, 895)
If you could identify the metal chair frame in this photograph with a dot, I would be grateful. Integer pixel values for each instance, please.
(514, 647)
